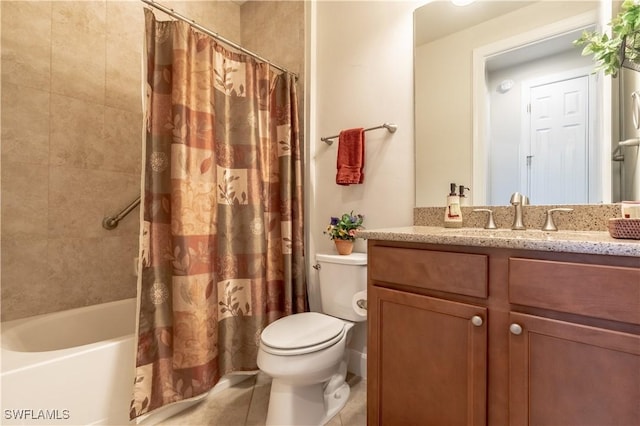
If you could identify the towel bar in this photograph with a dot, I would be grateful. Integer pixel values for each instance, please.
(390, 127)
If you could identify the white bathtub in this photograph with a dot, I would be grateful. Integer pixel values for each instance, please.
(76, 367)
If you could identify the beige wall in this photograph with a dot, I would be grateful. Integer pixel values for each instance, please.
(362, 83)
(71, 142)
(361, 76)
(280, 40)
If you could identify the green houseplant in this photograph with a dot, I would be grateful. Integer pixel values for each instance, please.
(342, 230)
(622, 48)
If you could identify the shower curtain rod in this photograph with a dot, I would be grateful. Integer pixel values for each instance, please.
(213, 34)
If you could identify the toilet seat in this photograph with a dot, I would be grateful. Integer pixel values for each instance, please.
(302, 333)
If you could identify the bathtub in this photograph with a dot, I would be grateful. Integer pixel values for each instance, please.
(76, 367)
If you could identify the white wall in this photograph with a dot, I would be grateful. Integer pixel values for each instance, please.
(360, 75)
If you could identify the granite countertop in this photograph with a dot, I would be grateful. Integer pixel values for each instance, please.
(588, 242)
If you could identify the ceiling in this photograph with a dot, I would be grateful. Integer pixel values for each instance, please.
(428, 29)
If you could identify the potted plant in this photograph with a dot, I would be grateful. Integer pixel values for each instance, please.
(342, 230)
(622, 48)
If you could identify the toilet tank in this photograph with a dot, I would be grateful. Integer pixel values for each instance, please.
(341, 277)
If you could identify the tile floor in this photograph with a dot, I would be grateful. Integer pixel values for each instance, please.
(246, 404)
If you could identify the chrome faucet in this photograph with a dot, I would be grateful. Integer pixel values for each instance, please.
(518, 200)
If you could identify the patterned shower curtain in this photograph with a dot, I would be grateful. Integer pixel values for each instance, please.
(222, 219)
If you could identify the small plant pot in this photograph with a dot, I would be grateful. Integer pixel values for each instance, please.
(344, 247)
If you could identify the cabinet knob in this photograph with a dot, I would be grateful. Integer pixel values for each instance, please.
(477, 320)
(515, 329)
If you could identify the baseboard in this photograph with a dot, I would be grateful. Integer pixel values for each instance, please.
(357, 363)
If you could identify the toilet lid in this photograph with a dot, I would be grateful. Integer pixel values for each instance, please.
(303, 333)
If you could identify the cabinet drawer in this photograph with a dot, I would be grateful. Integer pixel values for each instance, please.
(459, 273)
(608, 292)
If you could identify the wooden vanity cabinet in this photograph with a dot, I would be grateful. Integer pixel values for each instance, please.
(474, 336)
(427, 355)
(565, 372)
(429, 363)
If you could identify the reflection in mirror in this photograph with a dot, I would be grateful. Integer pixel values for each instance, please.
(541, 131)
(486, 82)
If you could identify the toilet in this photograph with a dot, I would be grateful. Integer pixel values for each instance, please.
(305, 354)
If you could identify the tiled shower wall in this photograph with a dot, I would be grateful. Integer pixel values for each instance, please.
(71, 143)
(275, 29)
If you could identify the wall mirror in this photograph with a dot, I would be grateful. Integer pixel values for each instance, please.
(488, 78)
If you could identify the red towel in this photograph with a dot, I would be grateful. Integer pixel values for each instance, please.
(350, 157)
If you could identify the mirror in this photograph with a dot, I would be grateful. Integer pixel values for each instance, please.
(481, 73)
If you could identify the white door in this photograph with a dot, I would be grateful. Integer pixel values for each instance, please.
(557, 158)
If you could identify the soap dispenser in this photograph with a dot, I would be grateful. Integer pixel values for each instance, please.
(462, 195)
(452, 213)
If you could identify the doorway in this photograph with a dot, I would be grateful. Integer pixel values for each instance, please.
(556, 131)
(559, 90)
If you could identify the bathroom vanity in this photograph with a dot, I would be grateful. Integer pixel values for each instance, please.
(474, 327)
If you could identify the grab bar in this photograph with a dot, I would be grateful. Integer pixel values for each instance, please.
(111, 222)
(390, 127)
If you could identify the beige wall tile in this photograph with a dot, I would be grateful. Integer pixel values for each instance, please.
(122, 141)
(75, 269)
(25, 285)
(85, 121)
(24, 200)
(25, 124)
(93, 270)
(92, 168)
(282, 44)
(87, 16)
(75, 220)
(77, 129)
(125, 24)
(118, 254)
(78, 63)
(26, 43)
(123, 77)
(79, 199)
(78, 43)
(125, 34)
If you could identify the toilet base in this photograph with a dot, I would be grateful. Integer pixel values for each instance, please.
(306, 405)
(336, 401)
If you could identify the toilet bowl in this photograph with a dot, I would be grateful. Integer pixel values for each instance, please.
(305, 354)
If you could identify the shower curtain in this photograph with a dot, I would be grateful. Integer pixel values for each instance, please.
(222, 219)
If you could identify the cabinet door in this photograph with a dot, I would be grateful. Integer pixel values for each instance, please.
(569, 374)
(427, 360)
